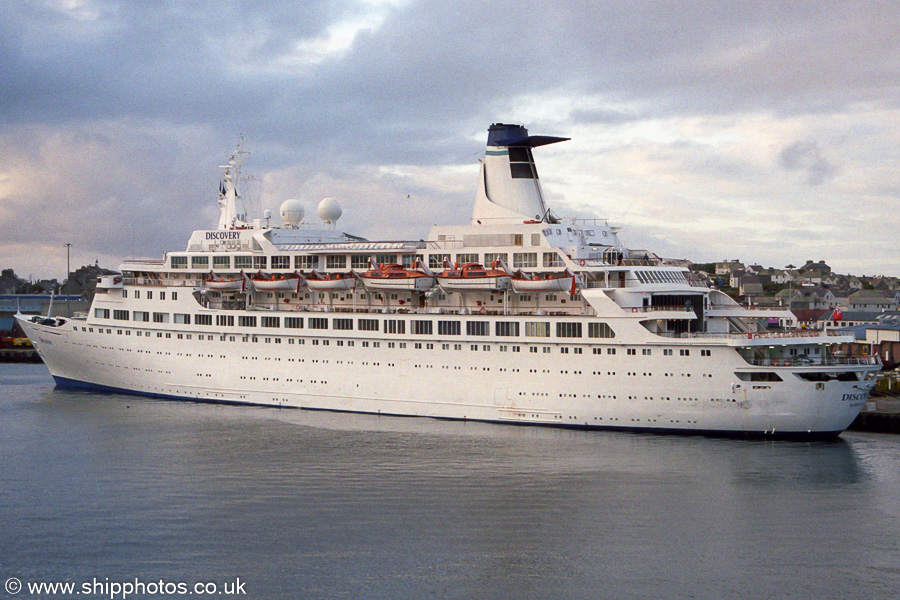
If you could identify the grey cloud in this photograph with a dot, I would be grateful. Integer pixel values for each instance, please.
(807, 156)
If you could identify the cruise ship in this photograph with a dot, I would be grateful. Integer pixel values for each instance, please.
(519, 316)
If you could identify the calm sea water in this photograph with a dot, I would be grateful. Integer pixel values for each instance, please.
(298, 504)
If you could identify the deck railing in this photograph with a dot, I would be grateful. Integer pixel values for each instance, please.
(771, 335)
(813, 361)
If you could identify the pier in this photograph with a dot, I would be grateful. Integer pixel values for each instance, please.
(19, 355)
(881, 414)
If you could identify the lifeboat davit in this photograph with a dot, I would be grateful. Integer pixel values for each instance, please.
(230, 284)
(291, 282)
(331, 282)
(524, 283)
(472, 277)
(396, 277)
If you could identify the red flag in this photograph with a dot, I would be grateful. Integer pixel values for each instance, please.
(837, 315)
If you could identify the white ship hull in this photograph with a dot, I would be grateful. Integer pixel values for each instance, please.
(623, 392)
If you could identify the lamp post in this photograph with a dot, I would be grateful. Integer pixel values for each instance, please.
(68, 274)
(789, 268)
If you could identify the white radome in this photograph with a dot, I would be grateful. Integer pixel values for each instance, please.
(330, 210)
(292, 211)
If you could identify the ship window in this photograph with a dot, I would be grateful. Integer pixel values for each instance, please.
(394, 326)
(179, 262)
(245, 321)
(476, 328)
(318, 323)
(121, 315)
(336, 261)
(449, 328)
(270, 322)
(225, 321)
(182, 318)
(260, 262)
(342, 324)
(523, 260)
(507, 329)
(281, 262)
(464, 259)
(568, 330)
(386, 259)
(492, 258)
(367, 324)
(436, 261)
(684, 352)
(160, 317)
(540, 329)
(420, 327)
(199, 262)
(243, 262)
(306, 261)
(757, 376)
(359, 261)
(293, 322)
(222, 262)
(552, 259)
(610, 350)
(101, 313)
(600, 330)
(203, 320)
(140, 315)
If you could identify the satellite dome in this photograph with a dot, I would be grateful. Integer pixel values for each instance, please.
(292, 212)
(329, 210)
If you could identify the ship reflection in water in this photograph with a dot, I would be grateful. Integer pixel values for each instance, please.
(322, 505)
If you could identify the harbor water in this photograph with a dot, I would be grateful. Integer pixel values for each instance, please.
(104, 489)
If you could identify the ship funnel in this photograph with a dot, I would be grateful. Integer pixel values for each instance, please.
(509, 190)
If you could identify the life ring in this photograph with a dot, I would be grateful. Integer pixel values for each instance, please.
(634, 310)
(581, 262)
(482, 311)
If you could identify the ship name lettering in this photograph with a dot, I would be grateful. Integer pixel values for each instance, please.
(223, 235)
(854, 397)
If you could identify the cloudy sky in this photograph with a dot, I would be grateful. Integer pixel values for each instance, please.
(767, 131)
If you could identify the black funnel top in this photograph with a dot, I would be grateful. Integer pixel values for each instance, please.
(502, 134)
